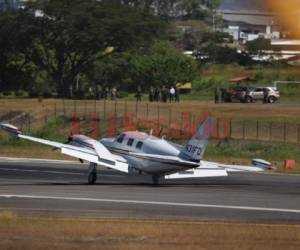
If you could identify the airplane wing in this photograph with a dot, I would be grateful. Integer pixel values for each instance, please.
(204, 168)
(258, 165)
(214, 169)
(98, 154)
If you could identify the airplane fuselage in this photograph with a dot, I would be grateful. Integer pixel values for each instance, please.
(138, 142)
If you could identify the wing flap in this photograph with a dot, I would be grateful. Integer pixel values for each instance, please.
(113, 163)
(198, 173)
(42, 141)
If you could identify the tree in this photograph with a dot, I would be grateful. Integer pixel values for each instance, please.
(170, 9)
(258, 46)
(16, 69)
(72, 35)
(220, 54)
(161, 65)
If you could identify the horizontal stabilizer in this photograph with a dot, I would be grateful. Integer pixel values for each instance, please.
(10, 129)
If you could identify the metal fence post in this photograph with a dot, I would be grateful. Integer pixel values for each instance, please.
(136, 109)
(158, 114)
(270, 131)
(218, 129)
(75, 108)
(284, 131)
(29, 123)
(257, 129)
(170, 117)
(55, 110)
(244, 130)
(298, 133)
(147, 111)
(230, 128)
(64, 107)
(104, 108)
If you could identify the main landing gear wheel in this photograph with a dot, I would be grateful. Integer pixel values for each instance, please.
(92, 176)
(155, 180)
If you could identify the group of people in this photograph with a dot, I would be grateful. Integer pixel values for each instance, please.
(107, 93)
(164, 94)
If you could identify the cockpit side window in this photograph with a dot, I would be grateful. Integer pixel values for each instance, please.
(121, 138)
(130, 142)
(139, 145)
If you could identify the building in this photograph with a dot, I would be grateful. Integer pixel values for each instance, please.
(248, 20)
(11, 4)
(8, 4)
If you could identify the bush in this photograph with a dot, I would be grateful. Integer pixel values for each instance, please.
(122, 94)
(21, 93)
(47, 94)
(7, 93)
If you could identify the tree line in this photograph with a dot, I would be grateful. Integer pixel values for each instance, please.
(69, 46)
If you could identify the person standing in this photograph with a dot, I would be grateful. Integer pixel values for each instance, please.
(106, 93)
(139, 94)
(177, 93)
(114, 93)
(216, 95)
(171, 94)
(99, 93)
(151, 94)
(165, 93)
(266, 94)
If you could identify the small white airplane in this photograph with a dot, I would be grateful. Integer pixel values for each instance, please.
(137, 152)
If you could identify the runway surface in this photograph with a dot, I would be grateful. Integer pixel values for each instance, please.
(59, 189)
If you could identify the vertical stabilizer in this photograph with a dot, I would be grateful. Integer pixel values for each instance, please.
(195, 147)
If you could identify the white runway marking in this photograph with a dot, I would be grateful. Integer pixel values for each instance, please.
(12, 159)
(55, 172)
(246, 208)
(39, 171)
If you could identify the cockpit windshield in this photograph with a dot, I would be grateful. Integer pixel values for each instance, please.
(120, 138)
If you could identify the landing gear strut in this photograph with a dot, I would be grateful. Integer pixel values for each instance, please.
(155, 180)
(92, 174)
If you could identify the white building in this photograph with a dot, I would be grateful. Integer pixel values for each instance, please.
(248, 20)
(247, 26)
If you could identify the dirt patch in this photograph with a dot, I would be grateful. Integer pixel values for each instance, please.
(54, 233)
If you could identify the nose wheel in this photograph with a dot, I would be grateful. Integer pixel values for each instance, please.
(92, 174)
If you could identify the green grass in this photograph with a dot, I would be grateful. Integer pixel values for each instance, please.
(274, 152)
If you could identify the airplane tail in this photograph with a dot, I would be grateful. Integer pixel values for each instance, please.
(195, 147)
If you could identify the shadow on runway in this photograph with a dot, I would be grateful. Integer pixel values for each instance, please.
(136, 184)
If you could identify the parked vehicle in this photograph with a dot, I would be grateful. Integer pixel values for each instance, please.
(252, 94)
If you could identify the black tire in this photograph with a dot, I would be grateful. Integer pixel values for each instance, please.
(271, 99)
(155, 180)
(248, 99)
(92, 178)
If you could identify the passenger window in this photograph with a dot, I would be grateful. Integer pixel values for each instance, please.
(130, 142)
(139, 145)
(121, 138)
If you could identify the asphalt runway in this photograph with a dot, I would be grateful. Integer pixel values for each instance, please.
(59, 189)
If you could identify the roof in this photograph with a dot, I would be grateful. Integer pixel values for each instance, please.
(242, 78)
(250, 5)
(186, 85)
